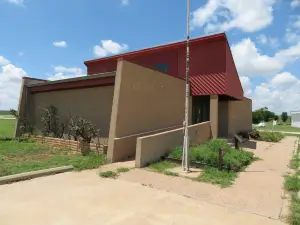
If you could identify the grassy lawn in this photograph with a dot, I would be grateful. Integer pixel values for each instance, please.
(285, 128)
(292, 185)
(17, 157)
(7, 128)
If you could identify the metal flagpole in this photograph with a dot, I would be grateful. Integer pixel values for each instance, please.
(185, 156)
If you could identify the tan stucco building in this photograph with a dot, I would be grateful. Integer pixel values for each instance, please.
(139, 106)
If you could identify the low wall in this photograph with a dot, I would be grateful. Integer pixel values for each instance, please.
(150, 148)
(70, 144)
(125, 147)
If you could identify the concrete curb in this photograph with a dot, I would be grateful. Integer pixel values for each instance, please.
(34, 174)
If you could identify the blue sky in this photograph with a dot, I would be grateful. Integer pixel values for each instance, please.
(50, 39)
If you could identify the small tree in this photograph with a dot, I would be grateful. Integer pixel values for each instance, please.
(25, 125)
(276, 117)
(284, 116)
(84, 131)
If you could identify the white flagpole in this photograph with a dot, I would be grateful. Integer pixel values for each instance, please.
(185, 156)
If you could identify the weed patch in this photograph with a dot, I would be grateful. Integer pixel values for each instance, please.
(208, 154)
(270, 136)
(108, 174)
(162, 166)
(123, 170)
(214, 176)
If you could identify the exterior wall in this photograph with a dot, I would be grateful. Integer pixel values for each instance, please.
(214, 115)
(94, 104)
(144, 100)
(223, 119)
(240, 116)
(151, 148)
(295, 119)
(205, 58)
(234, 86)
(25, 101)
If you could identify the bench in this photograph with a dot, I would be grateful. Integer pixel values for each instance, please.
(240, 138)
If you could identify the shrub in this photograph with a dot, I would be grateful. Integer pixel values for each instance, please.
(208, 153)
(123, 170)
(271, 136)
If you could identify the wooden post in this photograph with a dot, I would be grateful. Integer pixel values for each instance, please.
(220, 158)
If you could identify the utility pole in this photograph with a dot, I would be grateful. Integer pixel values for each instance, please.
(185, 155)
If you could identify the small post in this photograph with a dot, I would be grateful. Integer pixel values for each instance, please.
(221, 150)
(236, 143)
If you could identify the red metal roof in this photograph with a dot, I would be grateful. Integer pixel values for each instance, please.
(205, 84)
(214, 70)
(160, 48)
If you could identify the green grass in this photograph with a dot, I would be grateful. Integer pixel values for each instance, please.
(108, 174)
(292, 185)
(18, 157)
(284, 127)
(7, 128)
(294, 218)
(123, 170)
(172, 174)
(214, 176)
(162, 166)
(208, 154)
(270, 136)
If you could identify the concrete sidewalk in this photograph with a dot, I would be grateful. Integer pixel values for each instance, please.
(258, 190)
(85, 198)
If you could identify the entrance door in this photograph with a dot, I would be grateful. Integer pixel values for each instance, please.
(201, 109)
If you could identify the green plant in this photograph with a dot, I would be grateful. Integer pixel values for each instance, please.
(123, 170)
(214, 176)
(284, 116)
(208, 154)
(292, 183)
(294, 217)
(108, 174)
(270, 136)
(170, 173)
(52, 126)
(162, 166)
(83, 129)
(25, 125)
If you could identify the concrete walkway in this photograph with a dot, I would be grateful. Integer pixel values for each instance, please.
(258, 190)
(85, 198)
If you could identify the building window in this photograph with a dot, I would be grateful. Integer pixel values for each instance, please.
(163, 67)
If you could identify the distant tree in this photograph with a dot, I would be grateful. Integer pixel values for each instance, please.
(276, 117)
(284, 116)
(262, 114)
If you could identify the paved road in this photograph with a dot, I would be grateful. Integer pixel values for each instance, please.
(85, 198)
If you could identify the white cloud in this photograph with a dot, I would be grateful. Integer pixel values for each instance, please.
(247, 85)
(61, 72)
(292, 36)
(124, 2)
(10, 85)
(17, 2)
(61, 44)
(223, 15)
(263, 39)
(20, 53)
(3, 61)
(109, 47)
(251, 62)
(280, 94)
(295, 3)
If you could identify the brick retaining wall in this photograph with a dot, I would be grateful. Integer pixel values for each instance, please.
(63, 143)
